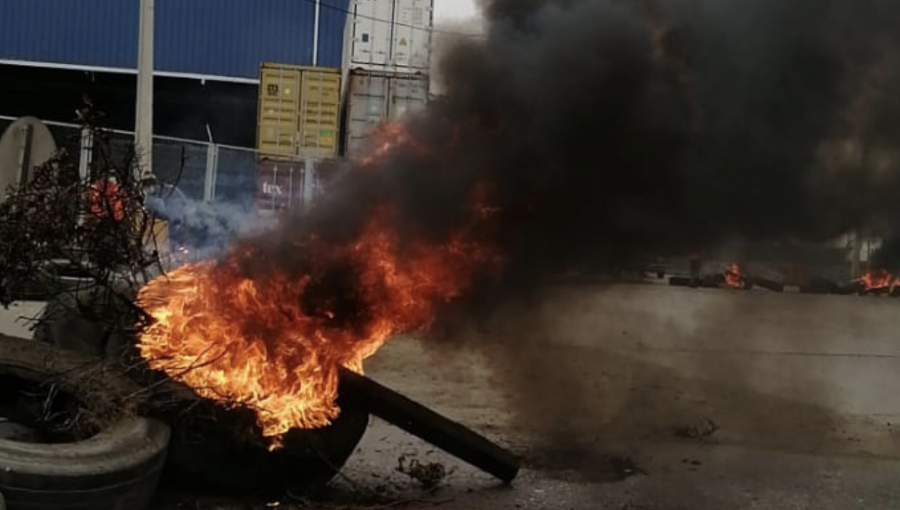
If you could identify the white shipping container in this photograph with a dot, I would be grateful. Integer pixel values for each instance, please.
(376, 98)
(389, 35)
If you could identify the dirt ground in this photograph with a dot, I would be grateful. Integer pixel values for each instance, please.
(653, 397)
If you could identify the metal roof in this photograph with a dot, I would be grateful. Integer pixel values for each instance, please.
(214, 39)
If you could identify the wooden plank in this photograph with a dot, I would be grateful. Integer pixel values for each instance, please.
(420, 421)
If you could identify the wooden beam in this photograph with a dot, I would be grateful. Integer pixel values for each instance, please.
(420, 421)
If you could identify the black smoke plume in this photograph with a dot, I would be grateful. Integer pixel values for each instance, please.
(605, 129)
(602, 130)
(609, 128)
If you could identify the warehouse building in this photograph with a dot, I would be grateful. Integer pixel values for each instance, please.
(207, 58)
(210, 129)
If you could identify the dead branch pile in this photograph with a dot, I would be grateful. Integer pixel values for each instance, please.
(66, 232)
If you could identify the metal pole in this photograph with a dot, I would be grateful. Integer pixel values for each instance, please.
(291, 189)
(212, 163)
(272, 190)
(84, 165)
(309, 179)
(25, 154)
(212, 167)
(87, 153)
(308, 168)
(315, 55)
(144, 109)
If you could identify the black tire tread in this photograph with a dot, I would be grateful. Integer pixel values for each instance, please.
(117, 468)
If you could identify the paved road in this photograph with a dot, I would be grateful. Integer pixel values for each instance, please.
(842, 352)
(801, 390)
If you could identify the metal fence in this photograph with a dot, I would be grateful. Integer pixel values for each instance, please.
(210, 172)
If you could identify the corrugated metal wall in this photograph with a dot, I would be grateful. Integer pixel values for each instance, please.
(211, 37)
(95, 32)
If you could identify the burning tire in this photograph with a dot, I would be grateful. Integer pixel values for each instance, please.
(210, 445)
(222, 451)
(108, 462)
(88, 320)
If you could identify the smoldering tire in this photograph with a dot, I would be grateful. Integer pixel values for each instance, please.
(117, 467)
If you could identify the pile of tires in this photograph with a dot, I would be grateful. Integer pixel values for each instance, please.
(117, 467)
(212, 448)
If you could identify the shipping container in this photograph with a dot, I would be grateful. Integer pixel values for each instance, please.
(375, 98)
(212, 39)
(299, 111)
(389, 35)
(280, 183)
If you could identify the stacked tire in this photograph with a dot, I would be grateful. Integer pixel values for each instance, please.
(117, 468)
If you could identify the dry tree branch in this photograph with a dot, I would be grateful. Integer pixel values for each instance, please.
(81, 242)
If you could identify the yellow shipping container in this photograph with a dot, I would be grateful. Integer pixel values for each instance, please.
(299, 111)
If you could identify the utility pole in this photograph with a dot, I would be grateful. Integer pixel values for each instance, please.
(309, 173)
(315, 55)
(143, 129)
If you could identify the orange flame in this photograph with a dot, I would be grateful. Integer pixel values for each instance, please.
(383, 140)
(257, 341)
(879, 280)
(733, 276)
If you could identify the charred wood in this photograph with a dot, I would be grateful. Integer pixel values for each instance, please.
(430, 426)
(819, 285)
(709, 282)
(680, 281)
(766, 284)
(875, 291)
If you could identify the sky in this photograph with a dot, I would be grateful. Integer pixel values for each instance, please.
(445, 10)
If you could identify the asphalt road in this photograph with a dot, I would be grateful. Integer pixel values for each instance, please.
(800, 389)
(790, 400)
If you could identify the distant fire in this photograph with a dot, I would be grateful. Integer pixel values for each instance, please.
(879, 280)
(272, 338)
(733, 277)
(386, 137)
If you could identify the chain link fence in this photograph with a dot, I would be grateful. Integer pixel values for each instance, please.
(235, 179)
(201, 171)
(209, 192)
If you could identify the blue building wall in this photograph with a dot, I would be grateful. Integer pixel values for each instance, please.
(226, 38)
